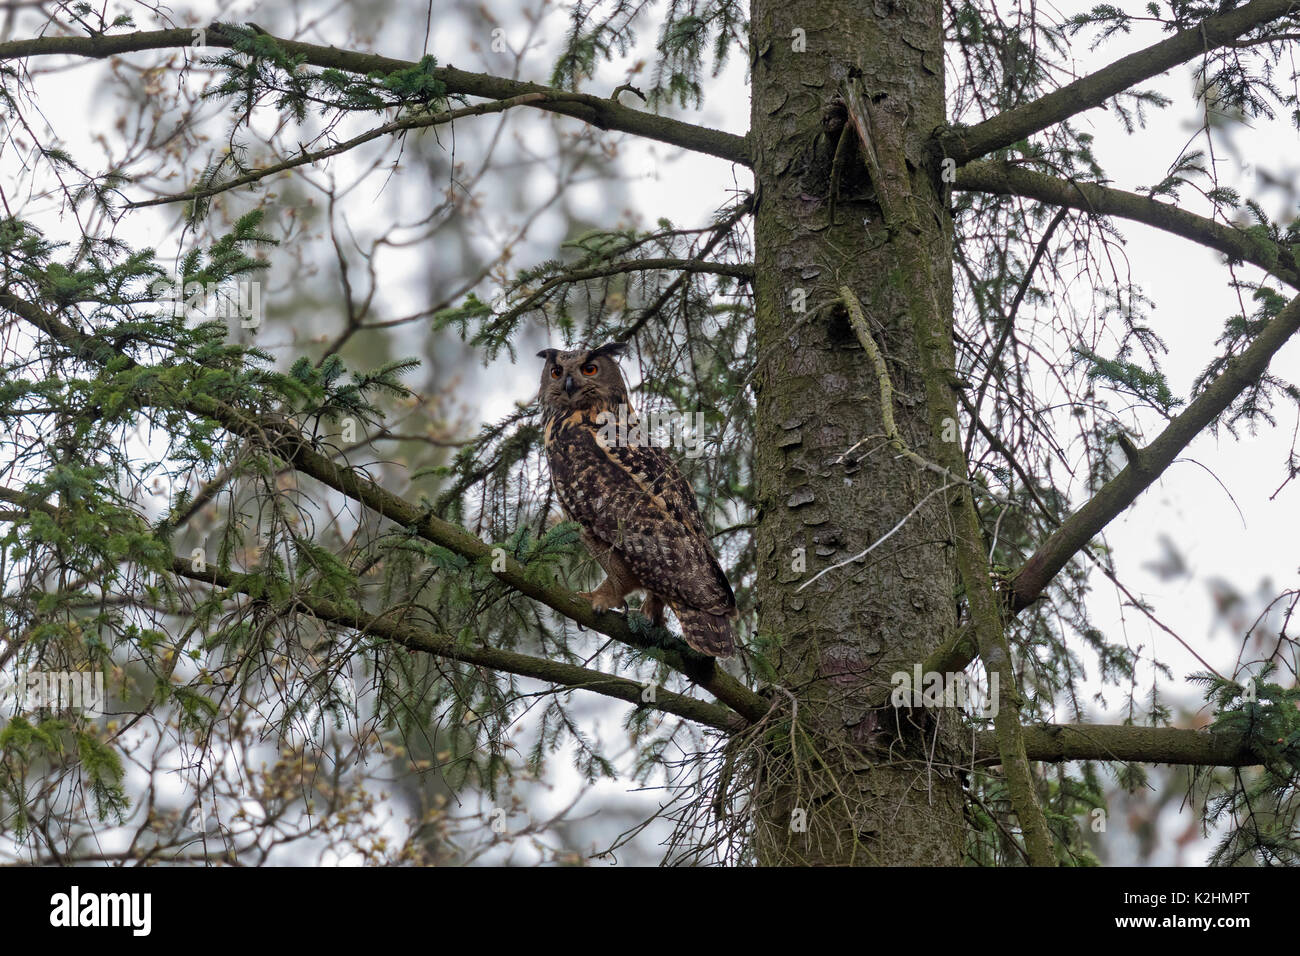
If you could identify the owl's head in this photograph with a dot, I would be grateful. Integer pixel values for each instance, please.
(586, 378)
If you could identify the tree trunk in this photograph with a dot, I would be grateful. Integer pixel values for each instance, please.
(852, 784)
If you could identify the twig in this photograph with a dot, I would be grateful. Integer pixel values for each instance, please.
(881, 540)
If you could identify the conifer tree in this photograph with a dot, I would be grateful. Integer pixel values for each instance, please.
(300, 576)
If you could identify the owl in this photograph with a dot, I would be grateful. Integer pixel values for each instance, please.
(638, 514)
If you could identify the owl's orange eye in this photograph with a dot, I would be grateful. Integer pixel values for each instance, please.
(589, 368)
(555, 371)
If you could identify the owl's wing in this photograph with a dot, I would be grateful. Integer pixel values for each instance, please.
(634, 500)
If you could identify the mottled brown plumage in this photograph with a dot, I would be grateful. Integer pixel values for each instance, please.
(638, 514)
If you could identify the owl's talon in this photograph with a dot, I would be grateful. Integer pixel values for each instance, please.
(599, 602)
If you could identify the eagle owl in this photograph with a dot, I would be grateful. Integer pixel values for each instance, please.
(638, 514)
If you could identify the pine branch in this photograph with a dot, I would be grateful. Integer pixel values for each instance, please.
(1149, 463)
(720, 231)
(283, 438)
(597, 111)
(446, 646)
(964, 145)
(508, 662)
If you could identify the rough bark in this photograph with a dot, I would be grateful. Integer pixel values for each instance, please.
(854, 785)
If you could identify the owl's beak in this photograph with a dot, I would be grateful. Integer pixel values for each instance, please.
(570, 386)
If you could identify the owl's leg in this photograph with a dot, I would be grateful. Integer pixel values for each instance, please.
(653, 608)
(608, 595)
(619, 580)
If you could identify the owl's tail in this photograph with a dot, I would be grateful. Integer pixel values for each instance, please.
(707, 633)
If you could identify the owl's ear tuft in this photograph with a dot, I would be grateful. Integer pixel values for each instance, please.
(547, 354)
(612, 349)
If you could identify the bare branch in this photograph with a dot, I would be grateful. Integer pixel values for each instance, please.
(1150, 462)
(1007, 179)
(306, 158)
(1172, 745)
(684, 266)
(964, 145)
